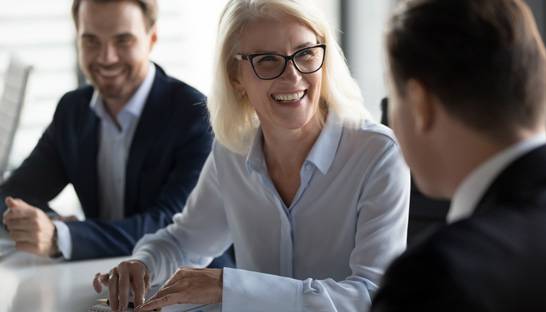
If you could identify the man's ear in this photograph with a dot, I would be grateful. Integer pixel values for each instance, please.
(422, 105)
(153, 36)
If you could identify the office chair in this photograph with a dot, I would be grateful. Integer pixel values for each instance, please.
(11, 104)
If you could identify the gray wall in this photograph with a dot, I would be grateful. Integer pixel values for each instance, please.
(363, 26)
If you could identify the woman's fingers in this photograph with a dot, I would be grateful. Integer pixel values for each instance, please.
(159, 302)
(124, 286)
(113, 282)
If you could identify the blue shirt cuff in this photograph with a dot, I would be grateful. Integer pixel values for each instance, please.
(64, 241)
(247, 291)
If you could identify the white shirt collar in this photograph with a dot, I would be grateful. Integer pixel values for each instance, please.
(136, 103)
(476, 183)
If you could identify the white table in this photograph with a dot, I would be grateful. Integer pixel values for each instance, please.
(31, 283)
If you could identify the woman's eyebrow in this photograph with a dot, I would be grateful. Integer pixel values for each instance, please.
(300, 46)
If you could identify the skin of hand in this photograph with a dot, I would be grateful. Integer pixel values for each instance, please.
(187, 285)
(70, 218)
(128, 276)
(30, 228)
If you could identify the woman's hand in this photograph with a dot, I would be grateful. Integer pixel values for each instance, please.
(197, 286)
(128, 276)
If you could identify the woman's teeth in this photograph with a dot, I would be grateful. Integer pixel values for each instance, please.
(289, 97)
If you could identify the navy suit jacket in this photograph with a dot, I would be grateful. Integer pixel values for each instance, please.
(172, 140)
(492, 261)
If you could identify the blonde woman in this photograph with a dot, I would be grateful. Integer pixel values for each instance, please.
(312, 194)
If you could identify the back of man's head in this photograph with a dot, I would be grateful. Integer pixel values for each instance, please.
(484, 59)
(149, 10)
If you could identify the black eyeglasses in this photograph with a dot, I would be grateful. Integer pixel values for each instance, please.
(268, 66)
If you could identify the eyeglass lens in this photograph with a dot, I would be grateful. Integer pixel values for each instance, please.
(307, 61)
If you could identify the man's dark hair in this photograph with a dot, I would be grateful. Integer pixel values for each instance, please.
(149, 10)
(484, 59)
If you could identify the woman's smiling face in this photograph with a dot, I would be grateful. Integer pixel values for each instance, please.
(291, 100)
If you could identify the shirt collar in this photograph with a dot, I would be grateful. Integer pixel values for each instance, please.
(324, 150)
(255, 160)
(476, 183)
(322, 153)
(136, 103)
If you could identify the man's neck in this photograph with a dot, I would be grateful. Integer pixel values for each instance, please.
(471, 150)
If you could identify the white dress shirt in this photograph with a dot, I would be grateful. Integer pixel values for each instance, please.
(114, 146)
(326, 252)
(473, 187)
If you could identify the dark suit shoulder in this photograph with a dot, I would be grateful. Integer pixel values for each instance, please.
(73, 110)
(425, 278)
(78, 96)
(183, 90)
(492, 262)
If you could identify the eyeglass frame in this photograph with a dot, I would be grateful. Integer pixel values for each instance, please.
(287, 58)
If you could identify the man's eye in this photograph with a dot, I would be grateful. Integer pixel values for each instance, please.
(124, 41)
(90, 42)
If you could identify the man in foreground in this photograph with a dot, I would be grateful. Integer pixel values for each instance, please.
(468, 98)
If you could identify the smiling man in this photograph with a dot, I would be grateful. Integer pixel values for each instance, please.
(132, 144)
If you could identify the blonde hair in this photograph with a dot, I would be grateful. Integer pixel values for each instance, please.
(233, 119)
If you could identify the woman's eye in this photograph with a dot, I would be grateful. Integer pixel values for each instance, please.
(306, 53)
(268, 59)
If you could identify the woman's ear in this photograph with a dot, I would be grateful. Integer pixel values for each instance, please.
(422, 105)
(237, 84)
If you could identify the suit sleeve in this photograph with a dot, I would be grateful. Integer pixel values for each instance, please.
(42, 175)
(424, 279)
(95, 238)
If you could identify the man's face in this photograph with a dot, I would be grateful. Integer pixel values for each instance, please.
(416, 145)
(114, 47)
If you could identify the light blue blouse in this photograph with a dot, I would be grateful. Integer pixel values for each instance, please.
(326, 252)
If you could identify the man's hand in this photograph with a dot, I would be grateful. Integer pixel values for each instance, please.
(30, 228)
(197, 286)
(128, 276)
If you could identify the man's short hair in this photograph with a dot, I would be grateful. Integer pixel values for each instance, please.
(484, 59)
(148, 7)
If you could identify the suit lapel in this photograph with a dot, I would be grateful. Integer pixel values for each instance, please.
(147, 131)
(88, 147)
